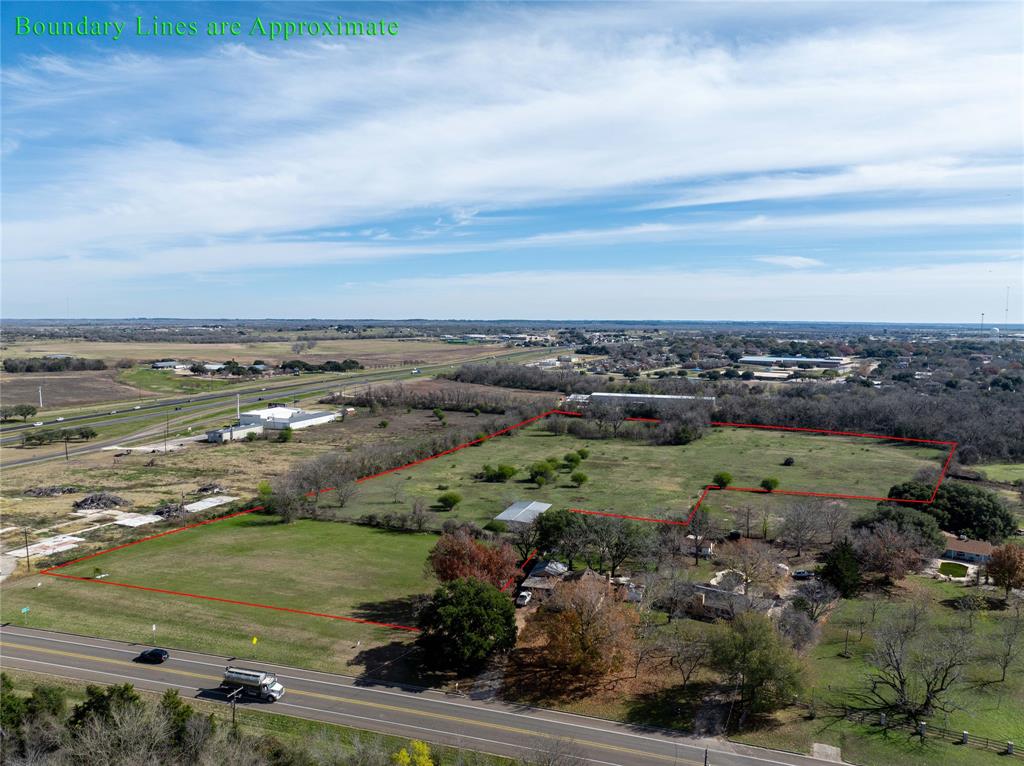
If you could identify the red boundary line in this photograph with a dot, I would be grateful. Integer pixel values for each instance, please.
(522, 570)
(569, 413)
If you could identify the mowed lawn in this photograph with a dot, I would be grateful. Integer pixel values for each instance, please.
(316, 566)
(639, 479)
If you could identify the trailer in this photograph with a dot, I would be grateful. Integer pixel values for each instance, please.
(253, 683)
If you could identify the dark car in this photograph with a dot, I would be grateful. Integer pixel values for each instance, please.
(155, 656)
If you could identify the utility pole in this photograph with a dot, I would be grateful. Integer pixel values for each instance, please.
(234, 696)
(167, 428)
(238, 406)
(40, 397)
(28, 560)
(982, 328)
(66, 458)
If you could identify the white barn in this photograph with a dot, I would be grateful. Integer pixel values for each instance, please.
(522, 513)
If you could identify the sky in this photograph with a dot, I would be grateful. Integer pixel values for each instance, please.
(722, 161)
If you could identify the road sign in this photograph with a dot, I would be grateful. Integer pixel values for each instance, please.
(24, 610)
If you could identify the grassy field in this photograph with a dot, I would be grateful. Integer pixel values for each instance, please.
(255, 720)
(638, 479)
(377, 351)
(167, 382)
(1004, 472)
(986, 708)
(323, 567)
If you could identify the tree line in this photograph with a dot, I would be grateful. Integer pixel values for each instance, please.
(58, 364)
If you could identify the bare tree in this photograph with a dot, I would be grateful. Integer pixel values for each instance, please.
(703, 527)
(744, 515)
(797, 626)
(915, 664)
(889, 551)
(801, 525)
(1009, 642)
(753, 559)
(525, 538)
(815, 598)
(834, 518)
(686, 644)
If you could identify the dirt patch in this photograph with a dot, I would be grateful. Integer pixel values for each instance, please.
(63, 389)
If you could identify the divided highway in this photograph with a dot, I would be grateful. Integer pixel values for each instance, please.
(456, 720)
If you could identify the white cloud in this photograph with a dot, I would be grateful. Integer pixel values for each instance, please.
(790, 261)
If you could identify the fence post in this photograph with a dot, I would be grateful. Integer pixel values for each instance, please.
(921, 726)
(1009, 748)
(963, 738)
(882, 720)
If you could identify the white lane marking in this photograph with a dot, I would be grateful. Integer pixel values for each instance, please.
(304, 707)
(480, 708)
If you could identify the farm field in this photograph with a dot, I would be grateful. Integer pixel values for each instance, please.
(324, 567)
(65, 389)
(376, 351)
(642, 480)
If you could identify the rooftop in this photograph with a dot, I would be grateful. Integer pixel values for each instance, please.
(523, 512)
(976, 547)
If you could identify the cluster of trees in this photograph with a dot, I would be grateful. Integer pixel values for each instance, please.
(962, 509)
(328, 366)
(50, 435)
(450, 397)
(23, 411)
(115, 725)
(58, 364)
(459, 554)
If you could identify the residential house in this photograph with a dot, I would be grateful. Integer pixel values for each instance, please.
(963, 549)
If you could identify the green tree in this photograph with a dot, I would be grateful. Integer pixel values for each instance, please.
(12, 707)
(722, 479)
(769, 484)
(541, 471)
(46, 699)
(962, 509)
(842, 569)
(177, 713)
(100, 702)
(754, 658)
(286, 434)
(465, 622)
(24, 411)
(571, 460)
(906, 519)
(449, 500)
(583, 452)
(579, 478)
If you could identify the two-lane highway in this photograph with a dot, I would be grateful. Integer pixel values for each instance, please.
(434, 716)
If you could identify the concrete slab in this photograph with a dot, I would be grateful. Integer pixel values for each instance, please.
(209, 502)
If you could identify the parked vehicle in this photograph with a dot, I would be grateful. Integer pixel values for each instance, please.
(803, 574)
(524, 598)
(155, 656)
(253, 683)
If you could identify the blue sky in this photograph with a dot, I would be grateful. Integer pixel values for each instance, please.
(788, 161)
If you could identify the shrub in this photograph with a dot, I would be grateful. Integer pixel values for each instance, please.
(382, 424)
(449, 500)
(789, 461)
(286, 434)
(579, 478)
(583, 452)
(498, 527)
(722, 479)
(769, 484)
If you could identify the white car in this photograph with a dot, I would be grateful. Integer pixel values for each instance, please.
(524, 598)
(39, 423)
(137, 407)
(59, 420)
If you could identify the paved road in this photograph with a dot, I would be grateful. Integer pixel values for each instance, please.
(455, 720)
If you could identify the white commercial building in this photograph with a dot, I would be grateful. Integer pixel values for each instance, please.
(285, 417)
(233, 433)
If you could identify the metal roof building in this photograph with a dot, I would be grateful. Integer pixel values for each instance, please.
(523, 512)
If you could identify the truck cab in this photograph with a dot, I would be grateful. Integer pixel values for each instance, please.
(253, 683)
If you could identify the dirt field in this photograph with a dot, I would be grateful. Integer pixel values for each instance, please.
(64, 389)
(369, 352)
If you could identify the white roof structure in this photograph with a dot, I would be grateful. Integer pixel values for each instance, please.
(208, 503)
(522, 512)
(269, 413)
